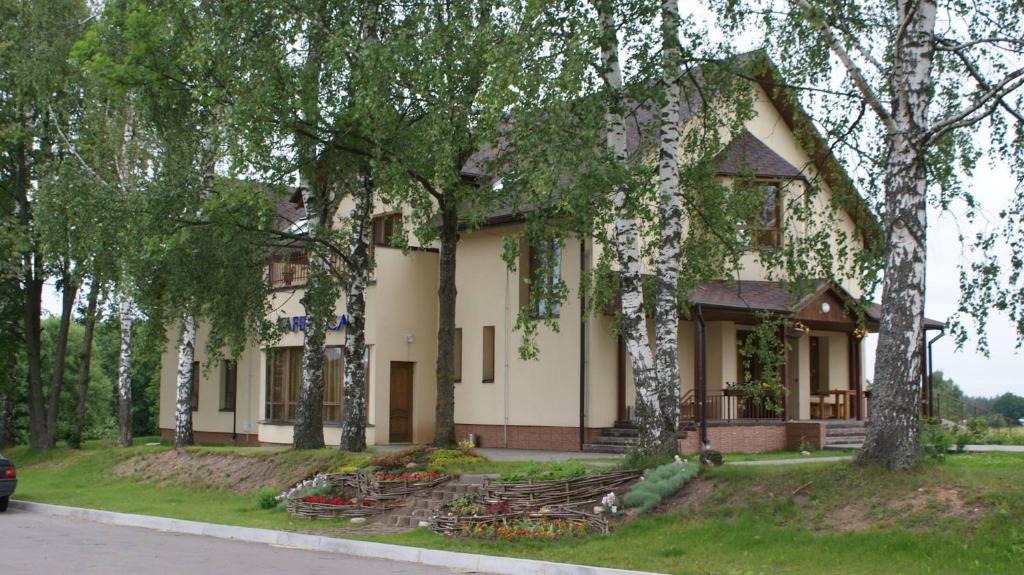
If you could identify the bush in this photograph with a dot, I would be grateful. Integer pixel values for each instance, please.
(635, 459)
(266, 498)
(935, 439)
(446, 460)
(547, 472)
(659, 483)
(419, 455)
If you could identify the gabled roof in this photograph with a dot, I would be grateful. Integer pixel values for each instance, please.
(747, 156)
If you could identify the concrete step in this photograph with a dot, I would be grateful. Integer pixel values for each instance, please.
(620, 432)
(845, 431)
(843, 423)
(844, 445)
(613, 440)
(605, 448)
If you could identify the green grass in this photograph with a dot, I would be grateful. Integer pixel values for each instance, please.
(770, 455)
(734, 519)
(83, 478)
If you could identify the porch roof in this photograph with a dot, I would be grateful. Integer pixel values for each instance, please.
(753, 295)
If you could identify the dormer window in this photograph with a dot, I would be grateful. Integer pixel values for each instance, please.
(764, 230)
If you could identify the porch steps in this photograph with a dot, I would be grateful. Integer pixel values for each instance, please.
(845, 434)
(619, 439)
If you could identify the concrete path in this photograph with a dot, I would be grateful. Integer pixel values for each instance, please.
(36, 543)
(790, 461)
(994, 448)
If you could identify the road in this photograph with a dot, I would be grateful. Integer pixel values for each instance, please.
(36, 543)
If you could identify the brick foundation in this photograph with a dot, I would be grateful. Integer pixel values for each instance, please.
(738, 437)
(548, 438)
(798, 432)
(218, 438)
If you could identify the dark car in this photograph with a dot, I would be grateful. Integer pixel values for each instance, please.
(8, 481)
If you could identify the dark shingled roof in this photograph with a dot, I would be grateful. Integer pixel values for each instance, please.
(746, 155)
(772, 296)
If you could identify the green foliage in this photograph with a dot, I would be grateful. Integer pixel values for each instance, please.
(659, 483)
(547, 472)
(636, 459)
(935, 439)
(266, 498)
(446, 460)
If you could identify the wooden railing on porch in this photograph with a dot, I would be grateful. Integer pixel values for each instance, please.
(952, 408)
(730, 406)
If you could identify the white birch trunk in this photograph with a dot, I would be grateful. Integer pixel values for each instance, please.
(183, 396)
(670, 212)
(124, 386)
(633, 323)
(353, 427)
(892, 438)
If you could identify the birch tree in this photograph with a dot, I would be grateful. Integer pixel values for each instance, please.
(928, 72)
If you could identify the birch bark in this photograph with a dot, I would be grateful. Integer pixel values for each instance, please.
(633, 323)
(892, 438)
(353, 427)
(183, 399)
(124, 386)
(670, 214)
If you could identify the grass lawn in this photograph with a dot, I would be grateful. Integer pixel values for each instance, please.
(961, 517)
(769, 455)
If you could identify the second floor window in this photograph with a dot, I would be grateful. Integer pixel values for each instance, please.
(763, 231)
(543, 263)
(287, 270)
(384, 228)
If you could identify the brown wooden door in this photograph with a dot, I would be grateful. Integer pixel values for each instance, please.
(401, 402)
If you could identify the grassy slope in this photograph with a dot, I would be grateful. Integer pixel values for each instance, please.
(750, 523)
(741, 519)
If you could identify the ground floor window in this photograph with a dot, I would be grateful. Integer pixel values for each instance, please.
(284, 378)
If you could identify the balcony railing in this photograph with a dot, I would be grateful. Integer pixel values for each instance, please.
(292, 271)
(731, 405)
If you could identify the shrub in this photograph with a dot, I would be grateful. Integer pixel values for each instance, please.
(635, 459)
(547, 472)
(659, 483)
(266, 498)
(935, 439)
(450, 459)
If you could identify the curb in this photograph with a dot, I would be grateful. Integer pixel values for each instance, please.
(462, 562)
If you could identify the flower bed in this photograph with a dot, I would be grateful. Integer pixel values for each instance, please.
(531, 495)
(326, 507)
(476, 518)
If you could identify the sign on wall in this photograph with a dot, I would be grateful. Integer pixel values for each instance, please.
(298, 323)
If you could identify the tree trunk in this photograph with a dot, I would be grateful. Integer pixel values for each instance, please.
(633, 323)
(69, 291)
(183, 398)
(37, 435)
(444, 434)
(84, 364)
(892, 438)
(6, 420)
(125, 422)
(353, 427)
(670, 212)
(309, 426)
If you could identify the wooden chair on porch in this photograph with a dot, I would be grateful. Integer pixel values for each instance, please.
(832, 404)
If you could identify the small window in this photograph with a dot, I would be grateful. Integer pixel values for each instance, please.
(385, 227)
(194, 384)
(458, 355)
(532, 264)
(764, 230)
(229, 385)
(488, 355)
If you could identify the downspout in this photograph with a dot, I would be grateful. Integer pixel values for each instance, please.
(505, 367)
(702, 377)
(583, 345)
(931, 405)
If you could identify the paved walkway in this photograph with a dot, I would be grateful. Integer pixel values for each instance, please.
(967, 448)
(37, 543)
(994, 448)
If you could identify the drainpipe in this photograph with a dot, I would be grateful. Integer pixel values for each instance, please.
(583, 345)
(505, 367)
(931, 406)
(702, 376)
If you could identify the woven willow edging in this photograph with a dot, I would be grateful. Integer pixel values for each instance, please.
(301, 508)
(447, 524)
(531, 495)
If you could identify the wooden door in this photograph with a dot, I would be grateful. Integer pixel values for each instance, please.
(401, 402)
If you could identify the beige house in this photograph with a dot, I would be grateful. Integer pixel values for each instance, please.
(578, 394)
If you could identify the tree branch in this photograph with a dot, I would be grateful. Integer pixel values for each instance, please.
(986, 104)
